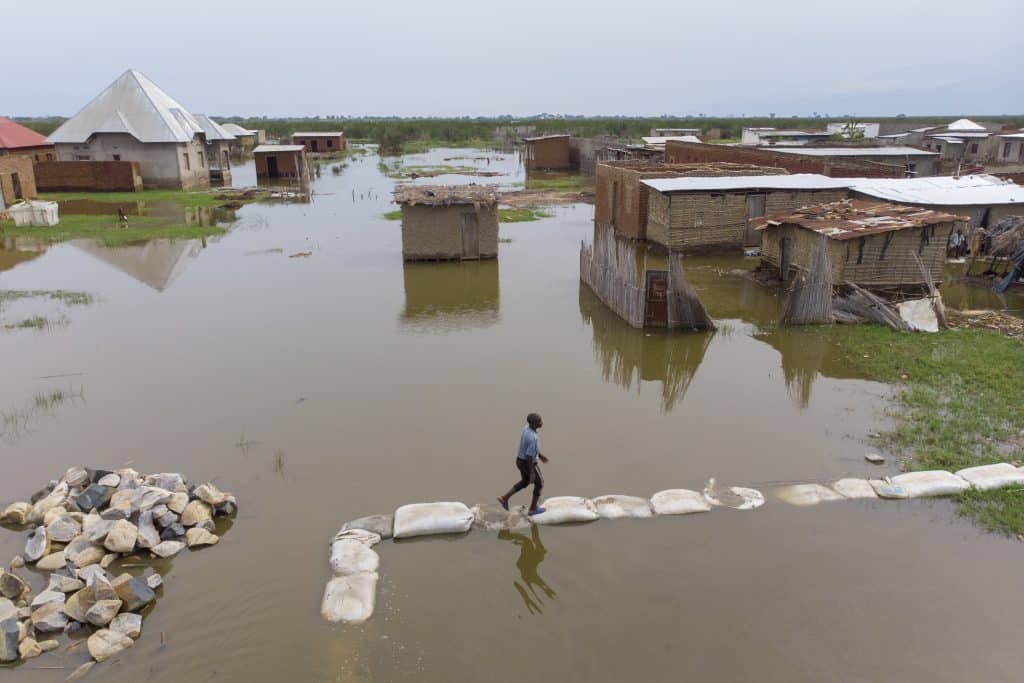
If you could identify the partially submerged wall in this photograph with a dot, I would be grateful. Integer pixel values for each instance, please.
(435, 232)
(17, 179)
(548, 154)
(78, 176)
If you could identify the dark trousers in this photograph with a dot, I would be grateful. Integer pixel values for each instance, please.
(529, 473)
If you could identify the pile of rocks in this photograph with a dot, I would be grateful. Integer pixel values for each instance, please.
(80, 525)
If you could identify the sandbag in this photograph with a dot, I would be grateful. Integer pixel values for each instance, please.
(736, 497)
(382, 525)
(349, 556)
(566, 510)
(491, 517)
(854, 489)
(885, 488)
(367, 538)
(930, 483)
(989, 477)
(806, 495)
(424, 519)
(614, 506)
(679, 502)
(350, 599)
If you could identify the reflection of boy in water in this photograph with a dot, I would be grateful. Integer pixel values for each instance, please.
(531, 554)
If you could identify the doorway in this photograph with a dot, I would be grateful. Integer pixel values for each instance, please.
(271, 167)
(785, 257)
(755, 209)
(470, 236)
(314, 146)
(656, 299)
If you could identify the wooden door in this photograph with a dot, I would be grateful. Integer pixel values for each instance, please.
(271, 167)
(755, 209)
(785, 257)
(470, 236)
(656, 300)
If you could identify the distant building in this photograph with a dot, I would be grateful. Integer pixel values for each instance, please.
(320, 143)
(1010, 147)
(913, 161)
(246, 140)
(658, 143)
(218, 149)
(674, 132)
(699, 214)
(17, 139)
(281, 161)
(17, 179)
(134, 120)
(870, 243)
(849, 129)
(446, 223)
(547, 153)
(962, 140)
(760, 137)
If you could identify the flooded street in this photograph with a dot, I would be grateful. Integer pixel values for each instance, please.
(322, 388)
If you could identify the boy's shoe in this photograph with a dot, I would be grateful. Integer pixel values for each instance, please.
(538, 511)
(503, 502)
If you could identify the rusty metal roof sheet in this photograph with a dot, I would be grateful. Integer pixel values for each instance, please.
(851, 218)
(444, 195)
(14, 135)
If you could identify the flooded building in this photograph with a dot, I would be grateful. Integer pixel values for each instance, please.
(17, 179)
(218, 149)
(621, 200)
(869, 243)
(700, 214)
(17, 139)
(134, 120)
(246, 140)
(448, 223)
(835, 162)
(281, 161)
(320, 143)
(548, 153)
(443, 297)
(773, 136)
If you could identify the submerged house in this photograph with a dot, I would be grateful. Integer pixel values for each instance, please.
(869, 243)
(621, 200)
(218, 149)
(134, 120)
(246, 140)
(16, 139)
(320, 143)
(699, 214)
(548, 153)
(281, 161)
(448, 223)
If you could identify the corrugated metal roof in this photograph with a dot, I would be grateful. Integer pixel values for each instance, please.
(797, 181)
(661, 140)
(960, 134)
(213, 130)
(854, 151)
(318, 134)
(237, 130)
(851, 218)
(279, 148)
(545, 137)
(135, 105)
(971, 190)
(964, 124)
(1011, 135)
(14, 135)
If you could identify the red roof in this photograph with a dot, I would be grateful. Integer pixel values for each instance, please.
(14, 135)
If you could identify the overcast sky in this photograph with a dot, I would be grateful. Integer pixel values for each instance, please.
(480, 57)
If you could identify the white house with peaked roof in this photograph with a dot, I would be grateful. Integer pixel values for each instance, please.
(134, 120)
(218, 149)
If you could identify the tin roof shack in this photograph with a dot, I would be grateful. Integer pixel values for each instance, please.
(448, 223)
(548, 153)
(17, 179)
(17, 139)
(835, 162)
(984, 200)
(674, 132)
(621, 201)
(218, 149)
(320, 143)
(134, 120)
(870, 243)
(705, 214)
(281, 161)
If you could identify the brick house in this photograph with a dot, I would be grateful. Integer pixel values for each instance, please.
(17, 139)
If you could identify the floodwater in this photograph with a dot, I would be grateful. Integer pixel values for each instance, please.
(323, 388)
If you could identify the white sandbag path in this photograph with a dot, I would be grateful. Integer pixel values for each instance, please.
(350, 595)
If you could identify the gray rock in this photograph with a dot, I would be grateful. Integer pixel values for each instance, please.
(8, 610)
(874, 458)
(95, 528)
(172, 532)
(148, 535)
(168, 548)
(52, 562)
(196, 511)
(63, 529)
(382, 525)
(177, 502)
(146, 497)
(210, 494)
(16, 513)
(112, 514)
(56, 498)
(24, 613)
(46, 597)
(95, 496)
(10, 635)
(198, 537)
(64, 583)
(38, 544)
(48, 645)
(79, 604)
(76, 476)
(108, 560)
(92, 573)
(111, 480)
(164, 517)
(206, 525)
(154, 581)
(228, 507)
(12, 586)
(101, 613)
(134, 592)
(29, 649)
(127, 624)
(81, 552)
(105, 644)
(121, 538)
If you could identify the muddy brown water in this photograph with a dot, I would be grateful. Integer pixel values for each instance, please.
(324, 388)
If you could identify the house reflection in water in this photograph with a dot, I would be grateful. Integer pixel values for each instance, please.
(451, 296)
(805, 356)
(157, 263)
(14, 252)
(627, 355)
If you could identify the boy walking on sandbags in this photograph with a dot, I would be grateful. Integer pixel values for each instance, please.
(526, 462)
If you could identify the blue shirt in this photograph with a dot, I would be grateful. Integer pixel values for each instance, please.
(529, 444)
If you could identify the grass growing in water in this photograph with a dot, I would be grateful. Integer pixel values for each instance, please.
(959, 405)
(184, 198)
(566, 183)
(395, 215)
(66, 297)
(523, 215)
(108, 230)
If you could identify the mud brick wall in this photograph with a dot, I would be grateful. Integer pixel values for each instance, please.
(337, 143)
(435, 232)
(77, 176)
(552, 154)
(22, 167)
(677, 152)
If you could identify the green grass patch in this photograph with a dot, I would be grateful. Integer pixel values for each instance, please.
(187, 199)
(564, 183)
(37, 322)
(108, 230)
(395, 215)
(524, 215)
(421, 146)
(66, 297)
(959, 405)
